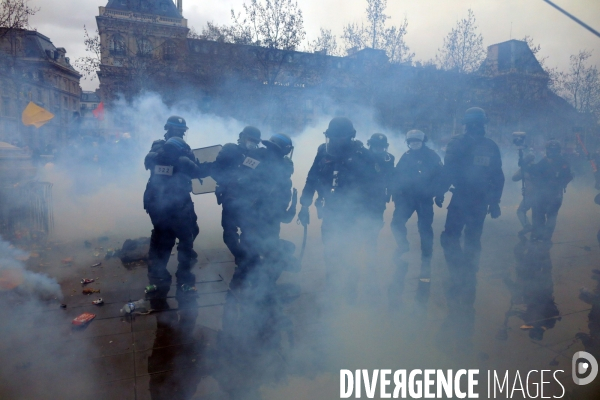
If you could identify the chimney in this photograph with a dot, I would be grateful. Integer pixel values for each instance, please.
(180, 6)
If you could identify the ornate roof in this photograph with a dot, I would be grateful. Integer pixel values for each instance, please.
(165, 8)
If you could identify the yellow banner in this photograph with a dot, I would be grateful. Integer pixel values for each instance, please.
(35, 115)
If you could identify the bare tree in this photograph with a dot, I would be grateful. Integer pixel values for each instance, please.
(463, 49)
(581, 84)
(89, 65)
(377, 36)
(14, 14)
(325, 43)
(276, 24)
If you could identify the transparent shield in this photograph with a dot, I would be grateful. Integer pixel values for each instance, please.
(205, 154)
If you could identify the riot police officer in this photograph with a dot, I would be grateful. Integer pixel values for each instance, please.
(267, 187)
(226, 171)
(474, 167)
(168, 202)
(550, 177)
(417, 183)
(344, 176)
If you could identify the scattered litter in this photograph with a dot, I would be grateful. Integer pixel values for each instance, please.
(96, 253)
(150, 289)
(63, 305)
(96, 265)
(83, 319)
(141, 306)
(90, 291)
(68, 260)
(110, 253)
(187, 288)
(134, 250)
(85, 281)
(526, 327)
(98, 302)
(425, 280)
(110, 342)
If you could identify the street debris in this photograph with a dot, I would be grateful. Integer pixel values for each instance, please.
(68, 260)
(150, 289)
(526, 327)
(83, 319)
(134, 250)
(98, 302)
(110, 253)
(85, 281)
(90, 291)
(187, 288)
(63, 305)
(141, 307)
(96, 265)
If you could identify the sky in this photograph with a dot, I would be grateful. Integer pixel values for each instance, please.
(429, 21)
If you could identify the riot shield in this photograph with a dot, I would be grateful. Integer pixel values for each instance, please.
(205, 154)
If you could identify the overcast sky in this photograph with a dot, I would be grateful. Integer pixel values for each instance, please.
(429, 21)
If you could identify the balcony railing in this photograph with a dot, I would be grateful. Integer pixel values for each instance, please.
(157, 19)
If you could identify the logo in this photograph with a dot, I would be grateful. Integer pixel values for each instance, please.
(585, 368)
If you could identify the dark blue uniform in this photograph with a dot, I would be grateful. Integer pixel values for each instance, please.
(345, 185)
(416, 182)
(267, 187)
(474, 167)
(168, 202)
(549, 178)
(226, 171)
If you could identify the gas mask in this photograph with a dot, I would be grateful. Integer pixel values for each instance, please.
(415, 144)
(338, 146)
(251, 144)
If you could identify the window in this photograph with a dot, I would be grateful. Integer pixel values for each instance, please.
(170, 50)
(144, 47)
(116, 46)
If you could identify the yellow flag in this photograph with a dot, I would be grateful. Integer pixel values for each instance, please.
(35, 115)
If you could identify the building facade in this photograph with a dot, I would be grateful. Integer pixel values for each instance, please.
(33, 69)
(145, 47)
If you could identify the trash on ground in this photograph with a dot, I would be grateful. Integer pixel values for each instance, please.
(526, 327)
(110, 253)
(63, 305)
(134, 250)
(90, 291)
(187, 288)
(85, 281)
(96, 265)
(98, 302)
(68, 260)
(83, 319)
(142, 306)
(150, 289)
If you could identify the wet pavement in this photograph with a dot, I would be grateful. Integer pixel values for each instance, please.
(527, 315)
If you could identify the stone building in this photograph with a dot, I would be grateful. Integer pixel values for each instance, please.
(145, 47)
(33, 69)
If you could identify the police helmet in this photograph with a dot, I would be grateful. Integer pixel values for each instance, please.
(280, 141)
(177, 123)
(475, 115)
(340, 127)
(378, 140)
(415, 135)
(250, 132)
(176, 143)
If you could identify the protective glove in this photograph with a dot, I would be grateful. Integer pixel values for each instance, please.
(494, 210)
(291, 211)
(439, 201)
(304, 216)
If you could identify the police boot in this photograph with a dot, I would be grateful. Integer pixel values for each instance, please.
(158, 297)
(425, 275)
